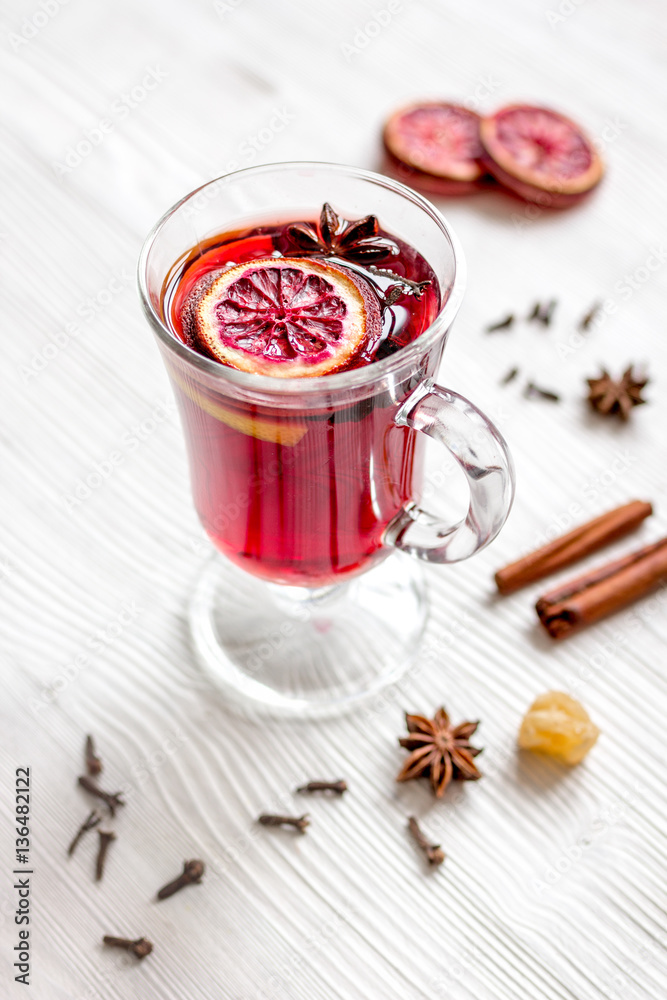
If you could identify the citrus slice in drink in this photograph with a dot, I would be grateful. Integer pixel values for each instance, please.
(540, 154)
(285, 317)
(286, 431)
(439, 143)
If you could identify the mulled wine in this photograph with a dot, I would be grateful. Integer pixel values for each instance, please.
(300, 495)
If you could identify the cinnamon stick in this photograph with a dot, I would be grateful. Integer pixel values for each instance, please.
(603, 591)
(573, 546)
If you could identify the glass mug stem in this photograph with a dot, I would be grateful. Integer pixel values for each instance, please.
(482, 454)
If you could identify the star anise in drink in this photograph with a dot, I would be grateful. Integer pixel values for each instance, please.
(610, 396)
(439, 750)
(356, 241)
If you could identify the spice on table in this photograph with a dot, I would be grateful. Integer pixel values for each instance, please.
(298, 822)
(93, 762)
(192, 874)
(603, 591)
(533, 391)
(511, 375)
(503, 324)
(543, 313)
(112, 799)
(141, 947)
(338, 787)
(588, 318)
(573, 546)
(610, 396)
(433, 852)
(439, 750)
(560, 726)
(105, 839)
(89, 823)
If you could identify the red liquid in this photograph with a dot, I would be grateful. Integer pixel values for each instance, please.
(301, 497)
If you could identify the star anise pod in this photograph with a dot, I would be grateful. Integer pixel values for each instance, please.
(440, 750)
(609, 396)
(356, 241)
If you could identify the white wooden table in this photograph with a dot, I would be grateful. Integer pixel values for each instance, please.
(554, 886)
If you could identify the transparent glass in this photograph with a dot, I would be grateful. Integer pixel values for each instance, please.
(307, 485)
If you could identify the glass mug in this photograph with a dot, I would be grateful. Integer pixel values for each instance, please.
(307, 485)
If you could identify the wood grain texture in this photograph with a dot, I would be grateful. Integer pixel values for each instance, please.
(554, 886)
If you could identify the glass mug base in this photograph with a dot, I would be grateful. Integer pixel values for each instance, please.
(292, 651)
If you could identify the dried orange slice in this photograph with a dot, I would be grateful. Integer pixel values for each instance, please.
(540, 155)
(439, 143)
(284, 317)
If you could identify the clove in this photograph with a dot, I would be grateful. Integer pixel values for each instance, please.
(105, 840)
(503, 324)
(298, 822)
(511, 375)
(141, 947)
(93, 762)
(586, 320)
(339, 787)
(533, 391)
(433, 852)
(112, 800)
(192, 873)
(91, 821)
(543, 314)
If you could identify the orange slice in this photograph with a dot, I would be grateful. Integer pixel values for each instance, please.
(440, 141)
(540, 154)
(285, 432)
(284, 317)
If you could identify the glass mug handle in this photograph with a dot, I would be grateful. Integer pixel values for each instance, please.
(481, 453)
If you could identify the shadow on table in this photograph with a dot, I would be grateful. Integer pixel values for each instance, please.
(537, 773)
